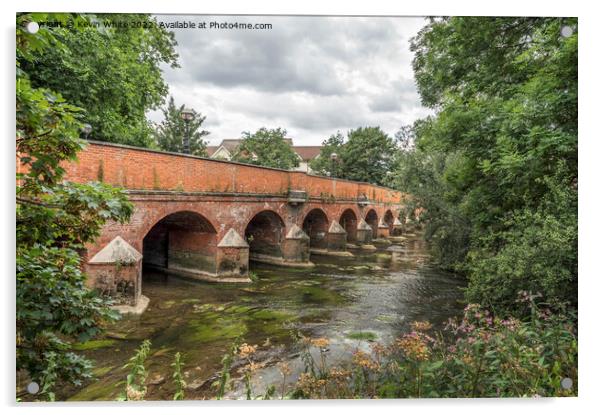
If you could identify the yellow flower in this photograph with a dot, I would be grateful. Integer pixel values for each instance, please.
(364, 360)
(134, 394)
(245, 350)
(421, 325)
(284, 368)
(414, 346)
(320, 343)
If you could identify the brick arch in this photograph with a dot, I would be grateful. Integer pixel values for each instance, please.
(154, 214)
(372, 220)
(348, 220)
(264, 233)
(183, 241)
(388, 219)
(315, 225)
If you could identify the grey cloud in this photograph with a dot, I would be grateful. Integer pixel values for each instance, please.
(400, 92)
(310, 74)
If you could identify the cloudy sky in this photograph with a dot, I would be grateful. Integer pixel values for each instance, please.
(310, 75)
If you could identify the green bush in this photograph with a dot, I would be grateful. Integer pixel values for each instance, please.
(479, 355)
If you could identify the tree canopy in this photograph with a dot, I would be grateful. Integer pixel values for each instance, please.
(54, 221)
(267, 147)
(113, 73)
(170, 132)
(496, 167)
(367, 155)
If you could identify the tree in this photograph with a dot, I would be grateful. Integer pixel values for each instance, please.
(54, 221)
(500, 152)
(110, 67)
(170, 133)
(366, 156)
(267, 147)
(323, 164)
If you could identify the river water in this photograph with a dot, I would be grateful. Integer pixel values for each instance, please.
(372, 296)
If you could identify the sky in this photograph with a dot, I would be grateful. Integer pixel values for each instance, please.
(312, 76)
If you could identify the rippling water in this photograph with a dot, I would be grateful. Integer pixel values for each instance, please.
(374, 296)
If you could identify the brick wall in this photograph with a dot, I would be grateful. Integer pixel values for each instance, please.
(143, 169)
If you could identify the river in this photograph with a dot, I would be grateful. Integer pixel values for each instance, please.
(372, 296)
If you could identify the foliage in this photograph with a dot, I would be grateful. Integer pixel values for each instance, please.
(496, 167)
(135, 384)
(224, 379)
(481, 355)
(54, 220)
(267, 147)
(170, 133)
(178, 378)
(112, 72)
(367, 156)
(323, 164)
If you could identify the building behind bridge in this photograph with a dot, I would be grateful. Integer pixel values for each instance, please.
(227, 148)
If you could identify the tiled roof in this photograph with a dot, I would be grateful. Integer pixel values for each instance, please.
(307, 152)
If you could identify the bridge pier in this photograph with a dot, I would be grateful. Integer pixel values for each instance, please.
(397, 228)
(295, 247)
(232, 258)
(383, 230)
(364, 233)
(116, 271)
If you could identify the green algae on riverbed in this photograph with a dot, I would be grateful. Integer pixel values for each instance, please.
(349, 301)
(362, 335)
(93, 344)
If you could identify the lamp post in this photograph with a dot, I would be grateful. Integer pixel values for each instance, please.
(333, 158)
(86, 129)
(187, 115)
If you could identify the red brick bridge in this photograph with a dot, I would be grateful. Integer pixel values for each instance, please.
(206, 218)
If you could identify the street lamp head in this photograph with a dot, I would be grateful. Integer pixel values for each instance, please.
(87, 129)
(187, 114)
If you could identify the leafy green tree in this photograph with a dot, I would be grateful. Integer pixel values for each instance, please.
(170, 133)
(367, 155)
(266, 147)
(54, 221)
(112, 72)
(323, 164)
(500, 154)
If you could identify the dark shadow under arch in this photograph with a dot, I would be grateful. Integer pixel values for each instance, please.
(349, 222)
(315, 225)
(372, 220)
(184, 241)
(264, 233)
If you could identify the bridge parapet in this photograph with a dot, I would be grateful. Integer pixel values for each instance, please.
(144, 169)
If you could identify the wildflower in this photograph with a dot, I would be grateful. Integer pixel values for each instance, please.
(134, 394)
(253, 367)
(364, 360)
(320, 343)
(378, 349)
(511, 323)
(307, 383)
(421, 325)
(245, 350)
(284, 368)
(414, 346)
